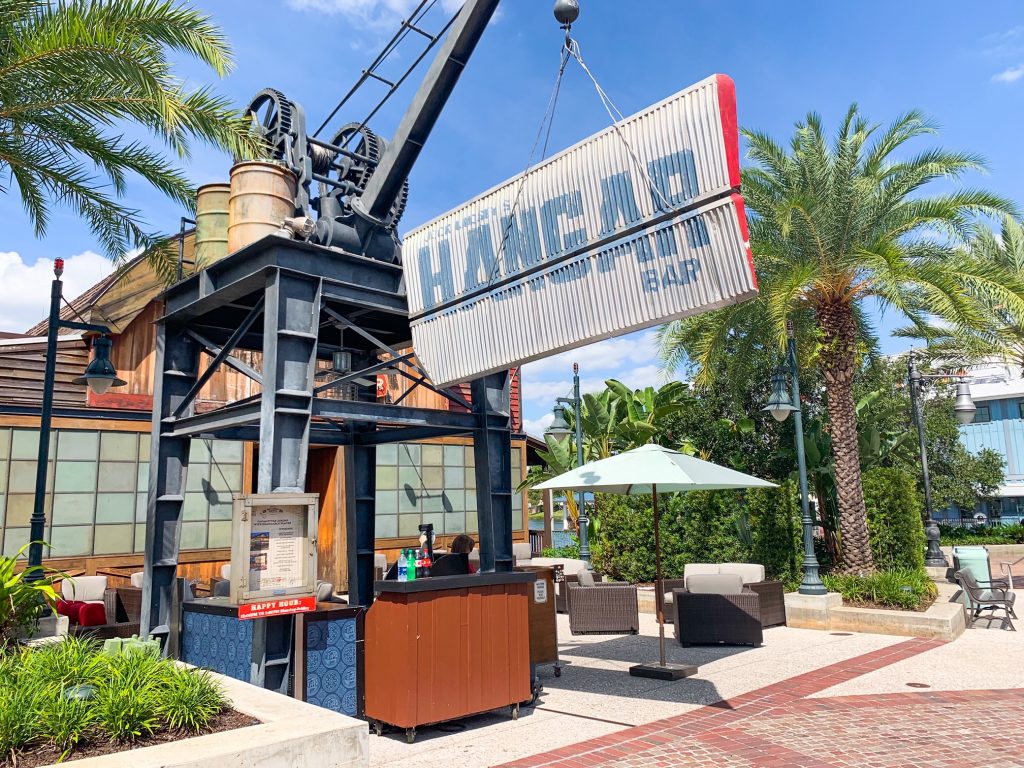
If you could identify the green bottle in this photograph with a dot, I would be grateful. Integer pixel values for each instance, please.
(410, 564)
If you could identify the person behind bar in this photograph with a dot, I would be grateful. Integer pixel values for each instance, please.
(463, 544)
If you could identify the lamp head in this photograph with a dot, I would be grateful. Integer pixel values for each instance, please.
(559, 427)
(964, 406)
(779, 405)
(100, 375)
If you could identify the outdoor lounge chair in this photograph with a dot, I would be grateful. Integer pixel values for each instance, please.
(602, 608)
(570, 569)
(772, 593)
(717, 608)
(987, 596)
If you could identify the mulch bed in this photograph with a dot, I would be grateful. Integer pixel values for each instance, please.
(45, 755)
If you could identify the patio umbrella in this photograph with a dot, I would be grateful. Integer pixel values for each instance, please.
(648, 470)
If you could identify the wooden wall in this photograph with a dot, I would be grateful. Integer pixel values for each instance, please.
(22, 367)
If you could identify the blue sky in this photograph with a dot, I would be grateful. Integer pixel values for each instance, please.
(962, 63)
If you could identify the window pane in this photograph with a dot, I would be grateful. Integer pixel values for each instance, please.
(145, 441)
(408, 455)
(220, 533)
(454, 456)
(409, 477)
(5, 443)
(408, 502)
(22, 477)
(117, 476)
(456, 501)
(408, 525)
(119, 446)
(387, 503)
(431, 503)
(229, 451)
(78, 445)
(75, 476)
(141, 502)
(387, 478)
(471, 501)
(14, 539)
(198, 476)
(387, 454)
(25, 444)
(115, 508)
(193, 535)
(113, 539)
(433, 478)
(73, 509)
(199, 452)
(387, 526)
(140, 538)
(68, 541)
(454, 477)
(437, 520)
(221, 510)
(3, 475)
(19, 508)
(470, 456)
(432, 455)
(226, 478)
(143, 482)
(196, 507)
(455, 522)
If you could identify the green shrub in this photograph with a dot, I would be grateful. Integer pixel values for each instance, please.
(776, 535)
(571, 551)
(22, 600)
(19, 705)
(908, 589)
(952, 535)
(190, 700)
(707, 528)
(127, 699)
(894, 519)
(64, 720)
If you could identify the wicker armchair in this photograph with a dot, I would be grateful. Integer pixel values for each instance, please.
(705, 616)
(772, 604)
(605, 608)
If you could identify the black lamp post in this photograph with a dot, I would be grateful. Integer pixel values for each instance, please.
(964, 408)
(560, 428)
(100, 375)
(780, 405)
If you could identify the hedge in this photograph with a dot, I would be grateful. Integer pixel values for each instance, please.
(894, 519)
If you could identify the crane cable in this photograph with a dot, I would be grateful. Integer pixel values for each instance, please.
(571, 50)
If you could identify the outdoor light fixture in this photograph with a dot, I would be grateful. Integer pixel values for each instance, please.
(559, 427)
(785, 399)
(779, 404)
(341, 361)
(964, 406)
(100, 375)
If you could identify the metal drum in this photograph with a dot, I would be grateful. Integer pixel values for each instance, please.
(211, 223)
(262, 197)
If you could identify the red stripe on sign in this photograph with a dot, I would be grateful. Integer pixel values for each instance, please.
(741, 212)
(281, 607)
(730, 126)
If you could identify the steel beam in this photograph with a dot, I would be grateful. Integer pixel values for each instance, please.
(492, 449)
(353, 410)
(177, 358)
(408, 434)
(226, 417)
(360, 514)
(230, 360)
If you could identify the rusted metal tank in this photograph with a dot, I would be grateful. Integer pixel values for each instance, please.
(211, 223)
(262, 196)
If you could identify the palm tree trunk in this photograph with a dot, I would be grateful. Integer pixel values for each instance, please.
(838, 365)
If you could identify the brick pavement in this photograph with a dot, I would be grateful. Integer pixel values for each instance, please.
(777, 726)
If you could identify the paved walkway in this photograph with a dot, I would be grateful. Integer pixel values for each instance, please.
(806, 698)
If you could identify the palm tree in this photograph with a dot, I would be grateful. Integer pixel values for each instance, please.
(843, 230)
(74, 76)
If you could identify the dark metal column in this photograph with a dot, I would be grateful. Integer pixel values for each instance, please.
(360, 515)
(291, 322)
(177, 360)
(492, 448)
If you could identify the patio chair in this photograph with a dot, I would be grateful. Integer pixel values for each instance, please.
(716, 608)
(987, 596)
(521, 553)
(570, 569)
(772, 593)
(602, 608)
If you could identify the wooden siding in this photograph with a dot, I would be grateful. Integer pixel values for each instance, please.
(22, 367)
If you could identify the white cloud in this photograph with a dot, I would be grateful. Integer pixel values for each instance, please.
(608, 355)
(25, 288)
(1010, 75)
(536, 427)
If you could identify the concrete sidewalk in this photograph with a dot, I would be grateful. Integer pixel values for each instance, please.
(595, 696)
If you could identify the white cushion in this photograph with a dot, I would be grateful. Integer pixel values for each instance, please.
(585, 578)
(668, 599)
(521, 550)
(751, 573)
(87, 589)
(380, 560)
(714, 584)
(225, 571)
(136, 579)
(694, 569)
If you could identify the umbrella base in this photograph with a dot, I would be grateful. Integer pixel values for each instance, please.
(659, 672)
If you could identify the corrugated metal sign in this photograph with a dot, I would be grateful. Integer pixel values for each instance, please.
(637, 225)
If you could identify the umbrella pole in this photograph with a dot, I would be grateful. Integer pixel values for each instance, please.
(659, 579)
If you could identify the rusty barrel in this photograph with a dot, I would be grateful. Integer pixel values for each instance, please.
(211, 223)
(262, 196)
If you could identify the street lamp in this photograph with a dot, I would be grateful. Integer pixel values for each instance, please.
(559, 428)
(780, 405)
(964, 409)
(100, 375)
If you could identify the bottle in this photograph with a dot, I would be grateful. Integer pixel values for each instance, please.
(419, 563)
(426, 562)
(410, 566)
(403, 567)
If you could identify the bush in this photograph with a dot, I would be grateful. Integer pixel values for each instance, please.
(190, 700)
(571, 551)
(776, 533)
(894, 519)
(907, 589)
(952, 535)
(21, 600)
(707, 528)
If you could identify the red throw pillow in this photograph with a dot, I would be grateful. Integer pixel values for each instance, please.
(92, 615)
(70, 608)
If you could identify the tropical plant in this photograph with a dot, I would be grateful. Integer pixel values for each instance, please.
(643, 413)
(22, 599)
(74, 75)
(894, 519)
(908, 589)
(835, 225)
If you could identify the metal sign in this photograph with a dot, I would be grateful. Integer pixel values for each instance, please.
(639, 224)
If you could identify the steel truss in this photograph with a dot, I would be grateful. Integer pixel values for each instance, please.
(313, 301)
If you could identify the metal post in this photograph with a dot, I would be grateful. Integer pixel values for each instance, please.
(37, 523)
(811, 583)
(584, 521)
(933, 556)
(659, 576)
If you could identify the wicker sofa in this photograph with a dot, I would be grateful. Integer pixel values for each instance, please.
(772, 593)
(716, 608)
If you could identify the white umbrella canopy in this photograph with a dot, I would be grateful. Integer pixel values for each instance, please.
(638, 471)
(651, 469)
